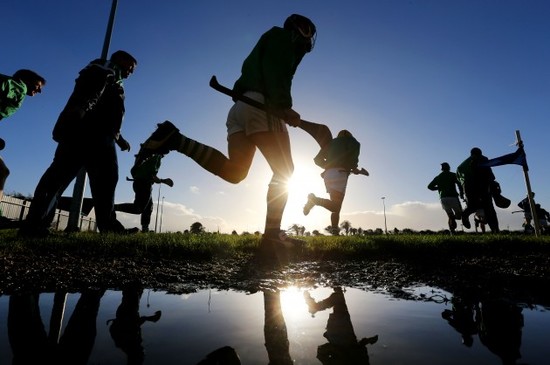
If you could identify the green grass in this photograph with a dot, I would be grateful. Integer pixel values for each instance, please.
(203, 246)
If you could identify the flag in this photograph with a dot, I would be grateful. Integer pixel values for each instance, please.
(516, 158)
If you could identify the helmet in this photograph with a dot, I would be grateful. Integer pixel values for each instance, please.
(476, 151)
(344, 133)
(302, 26)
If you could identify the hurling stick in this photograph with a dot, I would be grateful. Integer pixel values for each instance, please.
(363, 172)
(320, 132)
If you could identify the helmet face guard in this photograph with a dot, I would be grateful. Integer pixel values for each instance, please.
(304, 27)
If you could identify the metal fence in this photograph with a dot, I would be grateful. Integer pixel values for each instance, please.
(16, 209)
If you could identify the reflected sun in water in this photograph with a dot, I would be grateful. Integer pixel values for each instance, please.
(293, 304)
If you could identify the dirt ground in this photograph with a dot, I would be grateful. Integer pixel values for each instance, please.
(522, 277)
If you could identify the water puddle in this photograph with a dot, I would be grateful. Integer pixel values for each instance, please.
(289, 326)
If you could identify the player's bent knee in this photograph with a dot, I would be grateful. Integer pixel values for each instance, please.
(279, 182)
(235, 177)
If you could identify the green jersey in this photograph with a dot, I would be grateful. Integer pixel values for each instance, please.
(446, 184)
(12, 94)
(148, 168)
(270, 67)
(341, 152)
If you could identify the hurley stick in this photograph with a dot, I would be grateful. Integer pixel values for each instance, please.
(320, 132)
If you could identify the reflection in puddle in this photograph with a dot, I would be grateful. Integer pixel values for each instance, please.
(342, 347)
(288, 326)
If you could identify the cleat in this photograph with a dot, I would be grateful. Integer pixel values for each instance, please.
(310, 204)
(281, 240)
(131, 230)
(163, 139)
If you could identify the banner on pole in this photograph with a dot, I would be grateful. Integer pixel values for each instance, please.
(516, 158)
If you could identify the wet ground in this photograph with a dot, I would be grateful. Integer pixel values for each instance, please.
(523, 276)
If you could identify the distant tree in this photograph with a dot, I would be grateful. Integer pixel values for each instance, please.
(378, 231)
(353, 231)
(245, 233)
(297, 229)
(257, 233)
(395, 231)
(346, 226)
(20, 196)
(316, 232)
(196, 228)
(407, 231)
(234, 233)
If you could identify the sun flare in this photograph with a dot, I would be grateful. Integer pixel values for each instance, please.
(305, 180)
(293, 303)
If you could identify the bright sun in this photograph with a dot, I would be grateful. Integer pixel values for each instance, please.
(305, 180)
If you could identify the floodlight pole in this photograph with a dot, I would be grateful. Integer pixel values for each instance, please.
(158, 206)
(161, 214)
(385, 223)
(80, 182)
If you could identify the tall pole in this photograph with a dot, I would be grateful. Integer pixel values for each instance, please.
(158, 205)
(385, 223)
(161, 214)
(56, 319)
(532, 206)
(80, 182)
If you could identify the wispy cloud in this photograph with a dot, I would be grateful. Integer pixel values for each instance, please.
(419, 216)
(175, 217)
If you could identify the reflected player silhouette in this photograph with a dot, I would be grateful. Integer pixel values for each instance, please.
(31, 345)
(276, 337)
(27, 335)
(125, 328)
(343, 346)
(500, 329)
(497, 322)
(464, 317)
(225, 355)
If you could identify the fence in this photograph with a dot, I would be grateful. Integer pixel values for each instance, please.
(16, 209)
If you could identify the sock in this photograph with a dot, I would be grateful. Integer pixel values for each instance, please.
(209, 158)
(277, 195)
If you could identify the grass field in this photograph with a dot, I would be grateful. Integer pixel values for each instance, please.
(511, 264)
(184, 245)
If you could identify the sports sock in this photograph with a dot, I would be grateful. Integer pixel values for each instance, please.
(277, 195)
(209, 158)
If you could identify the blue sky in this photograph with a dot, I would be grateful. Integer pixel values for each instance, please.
(416, 82)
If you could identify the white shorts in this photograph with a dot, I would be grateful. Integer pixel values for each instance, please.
(248, 119)
(451, 205)
(336, 179)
